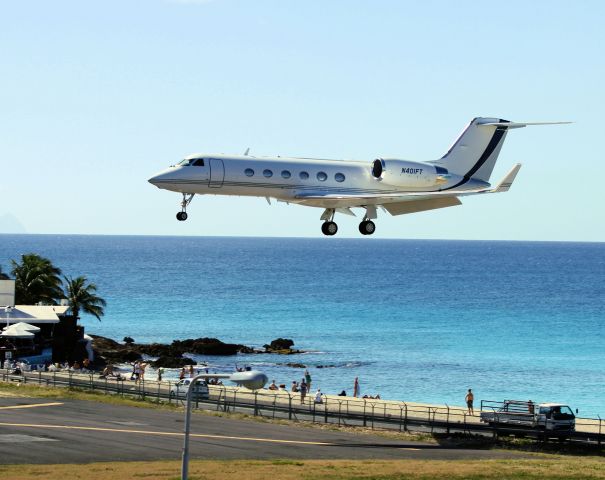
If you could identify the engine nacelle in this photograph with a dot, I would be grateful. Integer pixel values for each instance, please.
(403, 173)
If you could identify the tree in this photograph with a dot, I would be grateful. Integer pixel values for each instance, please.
(82, 296)
(36, 280)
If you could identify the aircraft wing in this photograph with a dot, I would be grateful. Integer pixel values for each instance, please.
(401, 203)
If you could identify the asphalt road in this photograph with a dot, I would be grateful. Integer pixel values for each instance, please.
(38, 430)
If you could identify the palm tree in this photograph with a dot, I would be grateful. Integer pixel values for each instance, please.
(36, 280)
(81, 295)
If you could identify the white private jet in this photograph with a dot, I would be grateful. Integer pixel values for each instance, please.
(397, 186)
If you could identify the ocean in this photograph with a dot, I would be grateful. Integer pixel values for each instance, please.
(415, 320)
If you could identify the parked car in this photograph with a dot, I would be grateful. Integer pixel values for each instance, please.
(180, 389)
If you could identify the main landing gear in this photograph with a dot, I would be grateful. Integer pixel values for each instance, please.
(366, 227)
(182, 215)
(329, 228)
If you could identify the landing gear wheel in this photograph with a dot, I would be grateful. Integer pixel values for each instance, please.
(329, 228)
(367, 227)
(181, 216)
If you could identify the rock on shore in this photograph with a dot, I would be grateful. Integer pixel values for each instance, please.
(171, 355)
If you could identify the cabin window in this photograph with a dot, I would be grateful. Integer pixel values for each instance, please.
(286, 174)
(249, 172)
(267, 173)
(303, 175)
(339, 177)
(322, 176)
(198, 163)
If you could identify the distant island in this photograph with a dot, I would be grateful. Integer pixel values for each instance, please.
(11, 224)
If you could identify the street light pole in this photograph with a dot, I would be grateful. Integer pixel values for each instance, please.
(185, 460)
(250, 379)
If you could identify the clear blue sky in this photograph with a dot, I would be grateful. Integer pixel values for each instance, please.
(95, 97)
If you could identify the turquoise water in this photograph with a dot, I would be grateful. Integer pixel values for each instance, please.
(414, 320)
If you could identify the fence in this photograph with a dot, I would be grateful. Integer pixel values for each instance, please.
(371, 413)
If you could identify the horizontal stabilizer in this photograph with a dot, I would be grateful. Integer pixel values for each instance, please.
(519, 124)
(508, 180)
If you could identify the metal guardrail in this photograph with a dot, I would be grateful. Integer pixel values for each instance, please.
(372, 413)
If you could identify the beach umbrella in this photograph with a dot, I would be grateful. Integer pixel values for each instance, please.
(26, 326)
(17, 330)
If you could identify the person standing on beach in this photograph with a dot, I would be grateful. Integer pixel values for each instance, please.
(469, 401)
(308, 379)
(182, 374)
(356, 387)
(160, 373)
(303, 390)
(191, 373)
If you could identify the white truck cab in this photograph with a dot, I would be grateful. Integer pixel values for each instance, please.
(551, 417)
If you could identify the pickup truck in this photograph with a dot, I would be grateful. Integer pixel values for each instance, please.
(555, 418)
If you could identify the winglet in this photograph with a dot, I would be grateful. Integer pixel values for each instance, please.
(508, 180)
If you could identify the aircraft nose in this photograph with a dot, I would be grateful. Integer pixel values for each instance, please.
(159, 178)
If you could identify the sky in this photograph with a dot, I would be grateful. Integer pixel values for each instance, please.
(96, 97)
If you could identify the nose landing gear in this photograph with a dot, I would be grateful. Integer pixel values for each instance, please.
(182, 215)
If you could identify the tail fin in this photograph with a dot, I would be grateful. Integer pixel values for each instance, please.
(475, 151)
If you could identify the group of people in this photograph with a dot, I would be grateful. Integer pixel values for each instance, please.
(187, 372)
(138, 371)
(304, 387)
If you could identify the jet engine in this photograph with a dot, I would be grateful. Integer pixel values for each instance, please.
(403, 173)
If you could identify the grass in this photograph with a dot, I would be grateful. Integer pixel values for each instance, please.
(539, 468)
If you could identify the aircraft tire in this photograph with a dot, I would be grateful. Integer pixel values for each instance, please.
(329, 228)
(367, 227)
(181, 216)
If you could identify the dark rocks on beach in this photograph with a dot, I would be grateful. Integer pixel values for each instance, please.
(109, 351)
(159, 350)
(173, 362)
(325, 366)
(296, 365)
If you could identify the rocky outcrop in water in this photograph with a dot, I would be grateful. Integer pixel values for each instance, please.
(173, 362)
(109, 351)
(282, 346)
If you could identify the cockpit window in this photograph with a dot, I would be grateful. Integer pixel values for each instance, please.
(198, 163)
(186, 162)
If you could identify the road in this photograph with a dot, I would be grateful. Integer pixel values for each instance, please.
(41, 431)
